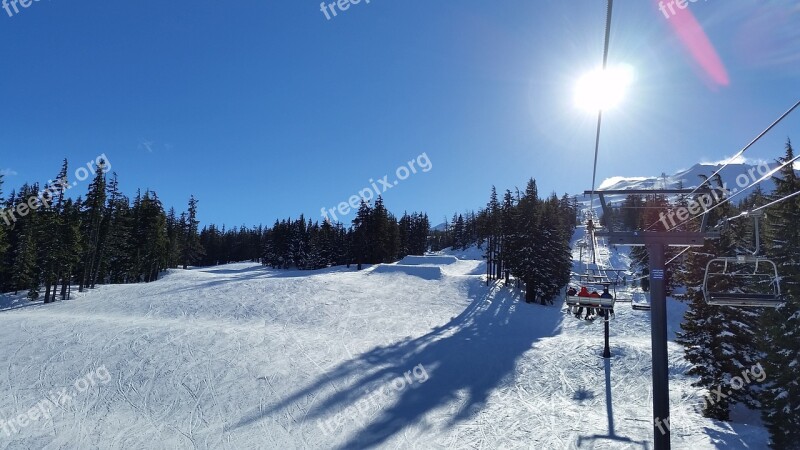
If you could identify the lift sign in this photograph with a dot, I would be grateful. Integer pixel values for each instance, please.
(658, 274)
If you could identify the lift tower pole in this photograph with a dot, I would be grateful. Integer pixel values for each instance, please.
(658, 327)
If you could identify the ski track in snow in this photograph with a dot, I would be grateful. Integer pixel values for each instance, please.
(240, 357)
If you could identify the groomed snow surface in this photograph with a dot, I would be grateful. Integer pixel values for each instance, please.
(420, 354)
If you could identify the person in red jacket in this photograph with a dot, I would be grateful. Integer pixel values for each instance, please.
(590, 312)
(583, 293)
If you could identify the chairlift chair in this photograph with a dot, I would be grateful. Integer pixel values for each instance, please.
(592, 302)
(731, 268)
(624, 298)
(640, 301)
(597, 302)
(734, 269)
(572, 300)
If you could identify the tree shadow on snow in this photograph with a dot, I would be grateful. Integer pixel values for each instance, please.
(253, 273)
(465, 361)
(731, 436)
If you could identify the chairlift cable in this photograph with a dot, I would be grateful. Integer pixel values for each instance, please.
(600, 112)
(773, 203)
(747, 147)
(729, 198)
(744, 214)
(738, 154)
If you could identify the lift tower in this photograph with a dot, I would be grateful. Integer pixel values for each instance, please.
(656, 243)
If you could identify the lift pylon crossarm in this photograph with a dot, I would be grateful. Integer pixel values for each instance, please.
(667, 238)
(601, 195)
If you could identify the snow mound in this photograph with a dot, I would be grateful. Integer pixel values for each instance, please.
(428, 260)
(424, 272)
(471, 253)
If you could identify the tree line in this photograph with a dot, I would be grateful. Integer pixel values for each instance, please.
(104, 237)
(523, 236)
(375, 236)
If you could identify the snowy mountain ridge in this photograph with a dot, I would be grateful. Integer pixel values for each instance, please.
(733, 175)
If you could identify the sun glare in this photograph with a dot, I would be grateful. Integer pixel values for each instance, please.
(603, 90)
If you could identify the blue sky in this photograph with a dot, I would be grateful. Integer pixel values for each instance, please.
(266, 109)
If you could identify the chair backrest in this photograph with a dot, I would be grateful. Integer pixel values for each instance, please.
(732, 268)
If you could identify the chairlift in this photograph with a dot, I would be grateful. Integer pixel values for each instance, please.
(572, 300)
(640, 301)
(743, 273)
(597, 302)
(734, 269)
(624, 297)
(592, 302)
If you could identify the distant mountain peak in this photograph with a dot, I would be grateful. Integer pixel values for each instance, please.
(737, 175)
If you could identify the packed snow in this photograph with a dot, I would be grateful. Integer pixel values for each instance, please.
(242, 356)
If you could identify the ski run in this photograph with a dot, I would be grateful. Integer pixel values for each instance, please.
(418, 354)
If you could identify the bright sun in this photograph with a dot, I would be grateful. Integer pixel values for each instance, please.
(603, 90)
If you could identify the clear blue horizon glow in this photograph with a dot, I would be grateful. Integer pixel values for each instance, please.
(266, 110)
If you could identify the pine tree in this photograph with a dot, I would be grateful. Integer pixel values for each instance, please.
(554, 256)
(380, 236)
(120, 252)
(25, 274)
(4, 245)
(781, 412)
(192, 250)
(24, 266)
(459, 233)
(52, 250)
(362, 224)
(93, 231)
(718, 341)
(508, 231)
(151, 238)
(492, 233)
(528, 240)
(70, 245)
(175, 238)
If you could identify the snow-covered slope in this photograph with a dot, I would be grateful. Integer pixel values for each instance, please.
(243, 357)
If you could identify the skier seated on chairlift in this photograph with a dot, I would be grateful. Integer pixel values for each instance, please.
(571, 292)
(579, 310)
(590, 312)
(606, 294)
